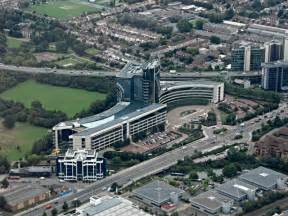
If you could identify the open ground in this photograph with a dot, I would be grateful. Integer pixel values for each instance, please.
(17, 142)
(64, 9)
(68, 100)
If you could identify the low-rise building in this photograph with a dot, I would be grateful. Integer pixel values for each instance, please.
(82, 165)
(264, 178)
(237, 190)
(32, 171)
(212, 203)
(24, 197)
(108, 206)
(157, 193)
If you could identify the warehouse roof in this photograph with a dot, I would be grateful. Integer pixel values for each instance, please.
(157, 191)
(107, 205)
(236, 188)
(20, 194)
(262, 177)
(210, 200)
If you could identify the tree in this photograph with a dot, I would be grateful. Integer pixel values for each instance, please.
(215, 18)
(215, 40)
(65, 206)
(229, 170)
(62, 46)
(9, 122)
(199, 24)
(44, 214)
(54, 212)
(193, 176)
(5, 183)
(184, 25)
(229, 14)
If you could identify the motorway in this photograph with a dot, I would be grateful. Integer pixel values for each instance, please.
(157, 164)
(103, 73)
(33, 70)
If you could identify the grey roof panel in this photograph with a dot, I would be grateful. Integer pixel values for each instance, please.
(236, 188)
(210, 200)
(157, 191)
(262, 177)
(119, 119)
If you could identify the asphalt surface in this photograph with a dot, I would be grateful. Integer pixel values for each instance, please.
(103, 73)
(157, 164)
(33, 70)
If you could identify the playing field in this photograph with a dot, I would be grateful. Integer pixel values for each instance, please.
(63, 9)
(23, 136)
(68, 100)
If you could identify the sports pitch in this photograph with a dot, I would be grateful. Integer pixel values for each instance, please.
(67, 100)
(64, 9)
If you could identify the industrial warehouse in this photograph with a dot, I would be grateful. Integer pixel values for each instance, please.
(247, 186)
(141, 109)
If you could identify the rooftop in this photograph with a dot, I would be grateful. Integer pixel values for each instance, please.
(236, 188)
(109, 206)
(81, 154)
(20, 194)
(119, 119)
(262, 177)
(210, 200)
(157, 191)
(131, 69)
(198, 83)
(32, 169)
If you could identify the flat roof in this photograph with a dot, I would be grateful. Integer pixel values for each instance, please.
(112, 206)
(210, 200)
(32, 169)
(132, 68)
(263, 177)
(157, 191)
(20, 194)
(236, 188)
(198, 83)
(119, 107)
(120, 119)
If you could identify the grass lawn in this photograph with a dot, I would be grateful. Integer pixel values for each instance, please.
(63, 9)
(68, 100)
(14, 42)
(23, 135)
(92, 51)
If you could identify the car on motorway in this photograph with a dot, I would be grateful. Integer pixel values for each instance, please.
(48, 206)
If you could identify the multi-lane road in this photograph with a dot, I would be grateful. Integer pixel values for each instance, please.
(103, 73)
(156, 164)
(34, 70)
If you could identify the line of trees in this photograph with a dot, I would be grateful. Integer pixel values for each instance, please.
(270, 125)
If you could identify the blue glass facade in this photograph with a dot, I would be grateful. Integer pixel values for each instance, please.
(80, 165)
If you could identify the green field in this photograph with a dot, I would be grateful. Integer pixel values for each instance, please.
(14, 42)
(23, 136)
(92, 51)
(68, 100)
(64, 9)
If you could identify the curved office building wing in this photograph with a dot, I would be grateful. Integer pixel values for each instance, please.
(179, 91)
